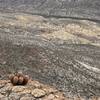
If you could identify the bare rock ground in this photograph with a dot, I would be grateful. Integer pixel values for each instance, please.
(61, 52)
(79, 9)
(32, 91)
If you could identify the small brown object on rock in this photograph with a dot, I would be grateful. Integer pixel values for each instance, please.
(15, 80)
(11, 77)
(19, 74)
(19, 79)
(26, 79)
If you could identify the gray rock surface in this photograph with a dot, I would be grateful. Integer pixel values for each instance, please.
(88, 9)
(61, 52)
(56, 42)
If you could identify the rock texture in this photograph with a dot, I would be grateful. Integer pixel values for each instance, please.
(32, 91)
(61, 52)
(55, 41)
(85, 9)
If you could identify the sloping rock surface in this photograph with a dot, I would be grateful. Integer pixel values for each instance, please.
(61, 52)
(86, 9)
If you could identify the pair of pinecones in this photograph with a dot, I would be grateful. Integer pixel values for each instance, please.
(19, 79)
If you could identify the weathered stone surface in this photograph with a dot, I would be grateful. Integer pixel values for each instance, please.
(22, 92)
(37, 37)
(64, 53)
(38, 93)
(50, 97)
(18, 88)
(89, 9)
(27, 98)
